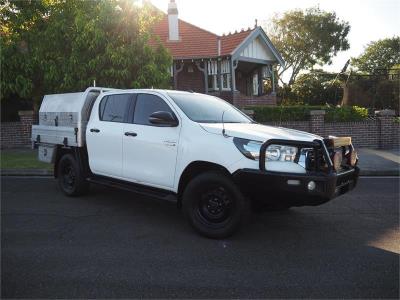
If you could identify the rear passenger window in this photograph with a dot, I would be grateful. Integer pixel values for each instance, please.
(114, 108)
(146, 104)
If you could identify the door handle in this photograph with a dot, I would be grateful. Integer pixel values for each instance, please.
(131, 133)
(95, 130)
(170, 143)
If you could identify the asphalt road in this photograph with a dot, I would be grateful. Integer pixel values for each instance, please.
(113, 244)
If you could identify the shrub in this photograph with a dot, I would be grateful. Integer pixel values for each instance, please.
(302, 113)
(346, 114)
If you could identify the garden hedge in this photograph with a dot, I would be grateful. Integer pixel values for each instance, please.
(302, 113)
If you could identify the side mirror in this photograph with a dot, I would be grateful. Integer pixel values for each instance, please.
(163, 118)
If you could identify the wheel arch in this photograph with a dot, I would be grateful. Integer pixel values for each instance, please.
(60, 152)
(79, 153)
(192, 170)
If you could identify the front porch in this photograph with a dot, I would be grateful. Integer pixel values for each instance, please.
(242, 82)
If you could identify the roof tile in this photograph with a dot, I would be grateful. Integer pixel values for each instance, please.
(196, 42)
(230, 42)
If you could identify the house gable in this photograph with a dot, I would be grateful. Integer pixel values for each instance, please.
(257, 47)
(258, 50)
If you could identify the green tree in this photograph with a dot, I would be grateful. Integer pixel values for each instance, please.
(379, 56)
(317, 88)
(307, 38)
(57, 46)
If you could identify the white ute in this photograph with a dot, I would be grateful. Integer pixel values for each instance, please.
(196, 149)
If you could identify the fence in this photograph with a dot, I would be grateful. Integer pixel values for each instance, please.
(18, 134)
(379, 132)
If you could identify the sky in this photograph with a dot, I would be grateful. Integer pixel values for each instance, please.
(370, 20)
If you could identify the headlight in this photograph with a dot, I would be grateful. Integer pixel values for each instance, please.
(251, 149)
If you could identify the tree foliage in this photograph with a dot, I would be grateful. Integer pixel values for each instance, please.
(317, 87)
(307, 38)
(53, 46)
(379, 56)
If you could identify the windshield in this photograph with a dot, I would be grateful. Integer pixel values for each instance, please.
(208, 109)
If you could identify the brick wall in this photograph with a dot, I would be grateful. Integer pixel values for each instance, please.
(18, 134)
(242, 100)
(363, 134)
(193, 80)
(380, 132)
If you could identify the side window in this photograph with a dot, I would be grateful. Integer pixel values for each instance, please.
(146, 104)
(114, 108)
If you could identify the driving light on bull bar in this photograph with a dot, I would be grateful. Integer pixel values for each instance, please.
(311, 185)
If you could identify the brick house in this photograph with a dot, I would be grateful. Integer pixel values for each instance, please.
(233, 67)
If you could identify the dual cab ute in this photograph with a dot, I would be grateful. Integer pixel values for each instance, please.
(196, 149)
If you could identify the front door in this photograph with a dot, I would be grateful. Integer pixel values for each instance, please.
(255, 84)
(104, 134)
(150, 151)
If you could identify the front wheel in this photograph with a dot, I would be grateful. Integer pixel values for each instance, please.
(70, 176)
(214, 205)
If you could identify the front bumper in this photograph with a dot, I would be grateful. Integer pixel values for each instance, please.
(293, 189)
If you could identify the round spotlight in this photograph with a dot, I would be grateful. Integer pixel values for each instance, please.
(311, 186)
(337, 160)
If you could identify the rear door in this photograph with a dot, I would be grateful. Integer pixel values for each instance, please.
(104, 134)
(150, 150)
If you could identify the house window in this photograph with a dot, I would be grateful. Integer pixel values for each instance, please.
(226, 81)
(212, 67)
(213, 82)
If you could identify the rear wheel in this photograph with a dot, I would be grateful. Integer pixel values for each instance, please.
(214, 205)
(70, 176)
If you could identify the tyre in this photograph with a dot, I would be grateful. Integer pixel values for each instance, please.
(70, 176)
(214, 205)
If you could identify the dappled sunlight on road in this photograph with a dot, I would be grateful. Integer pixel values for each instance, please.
(389, 241)
(384, 154)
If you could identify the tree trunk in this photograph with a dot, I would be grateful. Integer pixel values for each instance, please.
(345, 98)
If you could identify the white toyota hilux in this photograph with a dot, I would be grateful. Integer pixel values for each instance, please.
(196, 149)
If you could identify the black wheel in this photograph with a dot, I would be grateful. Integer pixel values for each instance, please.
(214, 205)
(70, 177)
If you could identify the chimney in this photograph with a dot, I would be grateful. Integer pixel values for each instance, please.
(173, 23)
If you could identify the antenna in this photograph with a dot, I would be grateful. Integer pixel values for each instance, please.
(223, 125)
(94, 82)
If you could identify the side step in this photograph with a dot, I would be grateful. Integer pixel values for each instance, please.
(135, 188)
